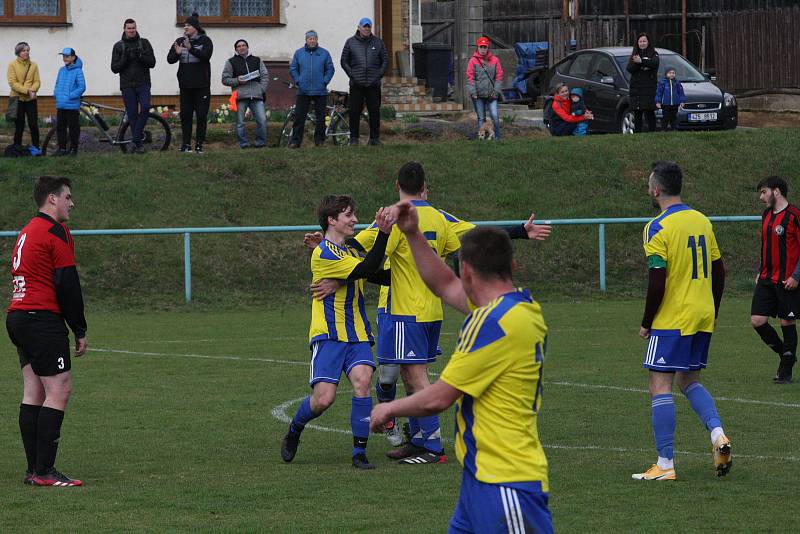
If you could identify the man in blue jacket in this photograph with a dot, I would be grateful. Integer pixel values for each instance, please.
(311, 70)
(70, 86)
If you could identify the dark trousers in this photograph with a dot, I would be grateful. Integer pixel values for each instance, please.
(669, 117)
(137, 106)
(561, 128)
(649, 114)
(27, 109)
(372, 96)
(68, 118)
(195, 102)
(301, 112)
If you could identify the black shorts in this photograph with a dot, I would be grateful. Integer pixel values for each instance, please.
(771, 300)
(42, 340)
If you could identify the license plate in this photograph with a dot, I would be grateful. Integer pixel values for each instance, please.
(702, 117)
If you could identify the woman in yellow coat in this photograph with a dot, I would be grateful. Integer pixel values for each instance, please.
(23, 78)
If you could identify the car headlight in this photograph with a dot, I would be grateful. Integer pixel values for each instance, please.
(730, 100)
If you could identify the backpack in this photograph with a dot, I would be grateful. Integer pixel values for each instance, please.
(548, 115)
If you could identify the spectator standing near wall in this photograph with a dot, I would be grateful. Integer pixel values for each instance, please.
(249, 77)
(311, 70)
(365, 59)
(132, 58)
(485, 82)
(193, 53)
(70, 86)
(24, 81)
(643, 66)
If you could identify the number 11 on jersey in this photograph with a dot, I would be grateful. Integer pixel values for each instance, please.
(694, 244)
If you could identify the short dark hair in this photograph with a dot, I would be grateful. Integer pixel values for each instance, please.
(773, 182)
(332, 206)
(411, 178)
(129, 21)
(488, 251)
(45, 185)
(669, 176)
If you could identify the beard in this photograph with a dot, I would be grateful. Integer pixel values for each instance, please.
(654, 201)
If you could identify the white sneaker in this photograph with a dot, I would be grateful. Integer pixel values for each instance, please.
(393, 433)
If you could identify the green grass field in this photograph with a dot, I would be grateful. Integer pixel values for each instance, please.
(175, 426)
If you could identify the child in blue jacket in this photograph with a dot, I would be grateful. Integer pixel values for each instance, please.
(669, 97)
(578, 109)
(70, 85)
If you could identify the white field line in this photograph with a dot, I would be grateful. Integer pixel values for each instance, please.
(547, 382)
(632, 332)
(279, 413)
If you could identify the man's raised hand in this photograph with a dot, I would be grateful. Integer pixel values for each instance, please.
(539, 232)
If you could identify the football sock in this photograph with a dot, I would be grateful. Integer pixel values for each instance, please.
(48, 434)
(663, 409)
(303, 416)
(431, 434)
(28, 425)
(703, 405)
(416, 433)
(665, 463)
(789, 339)
(771, 338)
(716, 433)
(385, 392)
(360, 410)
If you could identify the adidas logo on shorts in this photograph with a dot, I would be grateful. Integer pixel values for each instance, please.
(661, 361)
(411, 354)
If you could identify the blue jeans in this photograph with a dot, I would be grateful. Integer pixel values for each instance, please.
(480, 109)
(581, 129)
(137, 106)
(260, 116)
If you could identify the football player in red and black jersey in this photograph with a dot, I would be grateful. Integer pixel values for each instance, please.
(776, 292)
(46, 295)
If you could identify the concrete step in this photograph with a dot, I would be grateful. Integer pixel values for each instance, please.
(403, 99)
(404, 90)
(427, 106)
(400, 80)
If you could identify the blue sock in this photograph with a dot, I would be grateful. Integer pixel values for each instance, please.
(431, 434)
(385, 395)
(703, 405)
(303, 416)
(664, 424)
(416, 433)
(360, 410)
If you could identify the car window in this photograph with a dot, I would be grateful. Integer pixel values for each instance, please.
(684, 71)
(580, 66)
(563, 67)
(605, 67)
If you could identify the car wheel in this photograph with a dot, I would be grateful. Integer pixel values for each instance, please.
(626, 122)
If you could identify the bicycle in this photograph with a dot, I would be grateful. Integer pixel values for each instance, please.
(337, 123)
(156, 135)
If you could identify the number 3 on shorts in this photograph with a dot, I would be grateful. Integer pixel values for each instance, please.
(61, 363)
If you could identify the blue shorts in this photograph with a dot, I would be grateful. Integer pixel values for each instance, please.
(519, 507)
(382, 317)
(407, 342)
(329, 358)
(668, 351)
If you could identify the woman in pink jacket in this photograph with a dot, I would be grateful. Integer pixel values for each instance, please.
(485, 82)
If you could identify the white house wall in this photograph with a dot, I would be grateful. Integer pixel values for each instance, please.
(97, 25)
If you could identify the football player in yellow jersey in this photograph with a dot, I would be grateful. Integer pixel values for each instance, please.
(494, 377)
(686, 280)
(340, 336)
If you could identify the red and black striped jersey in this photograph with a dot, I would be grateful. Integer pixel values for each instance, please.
(780, 243)
(43, 246)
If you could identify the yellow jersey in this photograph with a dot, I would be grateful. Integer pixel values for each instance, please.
(341, 316)
(497, 365)
(683, 239)
(366, 238)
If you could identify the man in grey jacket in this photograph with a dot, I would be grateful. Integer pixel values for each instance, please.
(248, 76)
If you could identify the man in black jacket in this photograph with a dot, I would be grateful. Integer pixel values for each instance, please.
(365, 59)
(132, 58)
(193, 50)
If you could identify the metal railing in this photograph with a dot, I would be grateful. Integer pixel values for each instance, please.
(187, 235)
